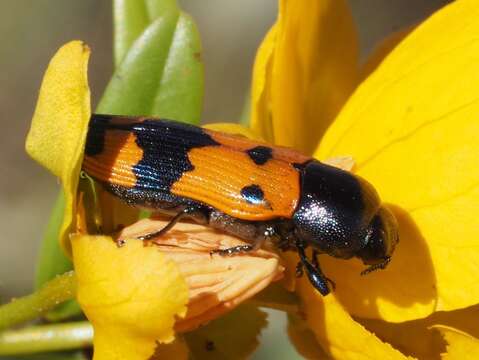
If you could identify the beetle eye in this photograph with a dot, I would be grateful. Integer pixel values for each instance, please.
(381, 238)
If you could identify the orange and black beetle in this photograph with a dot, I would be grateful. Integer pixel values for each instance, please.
(243, 187)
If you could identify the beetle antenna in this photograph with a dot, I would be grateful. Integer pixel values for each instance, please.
(381, 265)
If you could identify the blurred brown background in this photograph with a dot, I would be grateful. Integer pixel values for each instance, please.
(31, 31)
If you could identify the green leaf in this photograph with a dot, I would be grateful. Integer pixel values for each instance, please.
(130, 18)
(157, 8)
(162, 73)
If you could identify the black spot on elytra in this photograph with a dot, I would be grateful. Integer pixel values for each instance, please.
(260, 154)
(253, 194)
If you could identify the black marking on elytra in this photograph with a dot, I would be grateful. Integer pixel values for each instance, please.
(260, 154)
(95, 140)
(165, 146)
(253, 194)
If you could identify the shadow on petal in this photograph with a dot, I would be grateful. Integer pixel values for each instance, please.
(417, 338)
(304, 339)
(233, 336)
(405, 290)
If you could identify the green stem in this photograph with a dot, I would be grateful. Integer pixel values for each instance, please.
(54, 292)
(54, 337)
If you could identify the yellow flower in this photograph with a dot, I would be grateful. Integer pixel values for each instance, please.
(135, 296)
(411, 128)
(407, 117)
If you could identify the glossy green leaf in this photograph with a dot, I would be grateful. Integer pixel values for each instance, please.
(130, 18)
(162, 73)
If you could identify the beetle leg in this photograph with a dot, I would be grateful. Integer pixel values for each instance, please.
(173, 221)
(241, 249)
(316, 265)
(234, 250)
(315, 275)
(299, 269)
(315, 258)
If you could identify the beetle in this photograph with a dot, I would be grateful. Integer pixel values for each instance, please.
(246, 188)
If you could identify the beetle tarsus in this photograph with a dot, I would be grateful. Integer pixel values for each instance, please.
(234, 250)
(120, 242)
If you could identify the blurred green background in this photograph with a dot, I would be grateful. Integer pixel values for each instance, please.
(31, 31)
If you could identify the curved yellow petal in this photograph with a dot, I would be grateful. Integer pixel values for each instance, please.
(60, 122)
(261, 112)
(131, 295)
(304, 71)
(337, 332)
(461, 346)
(412, 129)
(233, 128)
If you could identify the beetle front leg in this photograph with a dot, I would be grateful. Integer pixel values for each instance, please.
(315, 275)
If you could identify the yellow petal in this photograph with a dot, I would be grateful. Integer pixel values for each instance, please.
(130, 294)
(261, 113)
(60, 122)
(304, 71)
(416, 337)
(461, 346)
(233, 128)
(337, 332)
(412, 130)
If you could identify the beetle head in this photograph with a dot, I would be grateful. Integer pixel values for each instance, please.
(340, 214)
(380, 240)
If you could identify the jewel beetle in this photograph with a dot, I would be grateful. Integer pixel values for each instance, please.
(247, 188)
